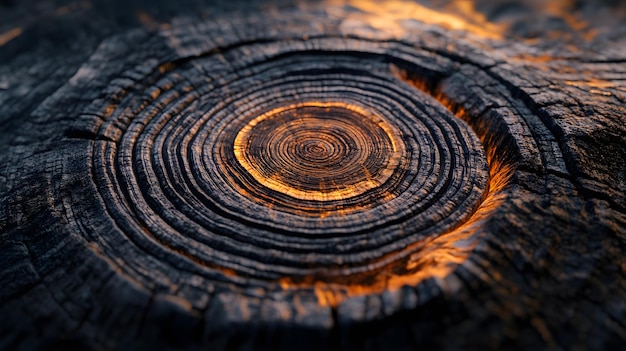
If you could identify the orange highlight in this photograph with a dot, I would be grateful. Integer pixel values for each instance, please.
(241, 151)
(10, 35)
(387, 16)
(431, 258)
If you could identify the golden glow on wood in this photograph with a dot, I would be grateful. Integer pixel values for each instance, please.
(311, 126)
(10, 35)
(387, 16)
(436, 258)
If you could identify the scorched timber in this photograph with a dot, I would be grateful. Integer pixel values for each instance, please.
(333, 175)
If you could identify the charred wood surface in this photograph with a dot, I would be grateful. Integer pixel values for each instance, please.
(320, 175)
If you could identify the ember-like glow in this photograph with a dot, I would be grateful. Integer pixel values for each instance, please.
(391, 18)
(387, 16)
(436, 258)
(314, 133)
(10, 35)
(431, 258)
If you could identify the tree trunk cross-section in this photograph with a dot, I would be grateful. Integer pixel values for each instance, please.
(322, 175)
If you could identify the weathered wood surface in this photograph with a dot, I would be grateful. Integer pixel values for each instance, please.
(327, 175)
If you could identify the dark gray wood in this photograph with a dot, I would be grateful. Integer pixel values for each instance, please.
(312, 175)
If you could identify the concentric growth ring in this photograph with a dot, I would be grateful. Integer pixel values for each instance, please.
(319, 152)
(341, 170)
(311, 175)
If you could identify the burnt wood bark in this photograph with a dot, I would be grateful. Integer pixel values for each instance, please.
(332, 175)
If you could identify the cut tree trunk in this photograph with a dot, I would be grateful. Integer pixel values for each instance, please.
(333, 175)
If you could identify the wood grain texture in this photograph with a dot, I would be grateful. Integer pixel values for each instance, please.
(332, 175)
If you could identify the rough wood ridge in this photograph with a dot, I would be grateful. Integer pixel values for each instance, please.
(333, 175)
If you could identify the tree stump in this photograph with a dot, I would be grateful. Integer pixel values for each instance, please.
(328, 175)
